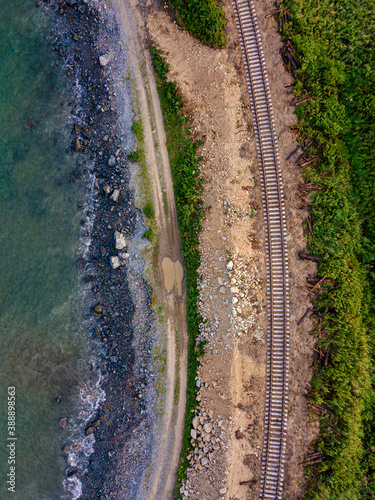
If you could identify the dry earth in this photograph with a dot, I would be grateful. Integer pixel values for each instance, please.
(227, 432)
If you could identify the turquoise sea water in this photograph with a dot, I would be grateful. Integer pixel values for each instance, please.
(44, 343)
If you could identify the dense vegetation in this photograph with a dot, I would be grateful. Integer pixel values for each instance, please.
(187, 187)
(335, 44)
(204, 19)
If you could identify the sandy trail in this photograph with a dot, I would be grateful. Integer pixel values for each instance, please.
(169, 284)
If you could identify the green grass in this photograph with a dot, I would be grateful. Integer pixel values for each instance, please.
(139, 156)
(187, 188)
(204, 19)
(336, 47)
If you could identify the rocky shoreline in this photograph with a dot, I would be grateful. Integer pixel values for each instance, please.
(87, 39)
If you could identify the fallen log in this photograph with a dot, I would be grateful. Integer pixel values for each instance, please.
(295, 151)
(309, 187)
(326, 356)
(310, 226)
(306, 87)
(312, 456)
(307, 256)
(274, 12)
(307, 161)
(306, 464)
(306, 149)
(302, 101)
(308, 291)
(319, 408)
(318, 284)
(246, 483)
(304, 316)
(332, 428)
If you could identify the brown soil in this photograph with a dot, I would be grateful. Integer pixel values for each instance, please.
(232, 375)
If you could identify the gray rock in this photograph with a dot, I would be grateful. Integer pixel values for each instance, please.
(198, 383)
(204, 461)
(193, 434)
(63, 422)
(112, 161)
(230, 265)
(104, 59)
(120, 240)
(97, 310)
(207, 427)
(207, 438)
(115, 262)
(115, 195)
(195, 422)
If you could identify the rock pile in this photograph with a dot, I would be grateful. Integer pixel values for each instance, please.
(208, 439)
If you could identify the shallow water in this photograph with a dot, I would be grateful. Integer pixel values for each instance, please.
(44, 341)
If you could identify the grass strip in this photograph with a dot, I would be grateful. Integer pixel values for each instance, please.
(204, 19)
(333, 50)
(188, 189)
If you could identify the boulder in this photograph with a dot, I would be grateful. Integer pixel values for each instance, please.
(207, 427)
(195, 422)
(120, 240)
(63, 422)
(115, 194)
(104, 59)
(112, 161)
(115, 262)
(97, 310)
(71, 472)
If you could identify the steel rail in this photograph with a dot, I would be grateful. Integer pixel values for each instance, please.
(276, 410)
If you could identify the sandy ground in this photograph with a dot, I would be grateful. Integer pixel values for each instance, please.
(227, 434)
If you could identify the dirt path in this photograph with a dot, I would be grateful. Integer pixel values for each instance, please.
(168, 283)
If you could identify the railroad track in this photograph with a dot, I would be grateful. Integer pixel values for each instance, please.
(276, 413)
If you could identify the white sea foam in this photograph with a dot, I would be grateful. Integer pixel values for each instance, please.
(81, 447)
(73, 486)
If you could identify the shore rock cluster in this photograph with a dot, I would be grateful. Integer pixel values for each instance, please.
(86, 38)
